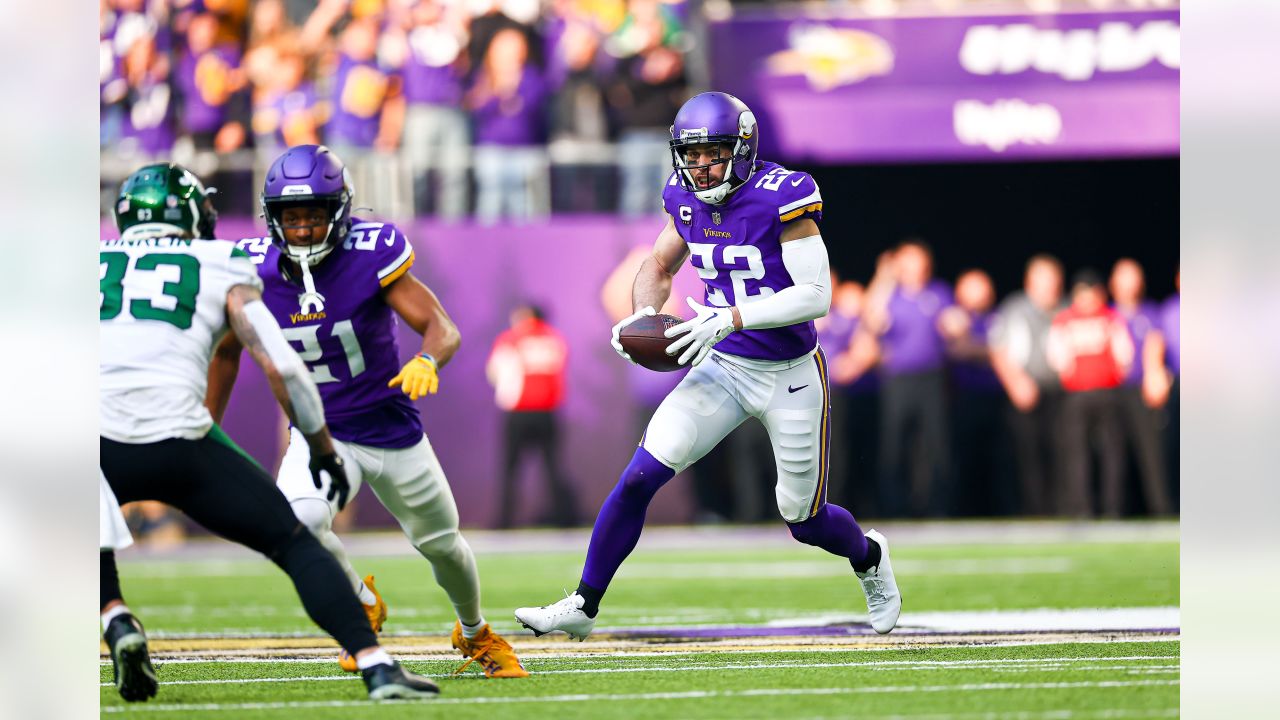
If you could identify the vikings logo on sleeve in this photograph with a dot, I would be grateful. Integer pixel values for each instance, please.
(394, 254)
(797, 194)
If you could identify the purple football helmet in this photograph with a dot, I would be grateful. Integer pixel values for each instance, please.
(715, 117)
(310, 176)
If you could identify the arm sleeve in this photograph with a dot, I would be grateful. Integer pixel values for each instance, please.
(305, 398)
(810, 296)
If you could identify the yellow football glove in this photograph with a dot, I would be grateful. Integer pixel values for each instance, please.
(418, 377)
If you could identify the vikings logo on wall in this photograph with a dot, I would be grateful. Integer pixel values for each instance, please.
(829, 57)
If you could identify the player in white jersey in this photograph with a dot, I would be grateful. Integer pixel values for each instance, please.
(168, 295)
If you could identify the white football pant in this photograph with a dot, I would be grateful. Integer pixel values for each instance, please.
(410, 483)
(791, 398)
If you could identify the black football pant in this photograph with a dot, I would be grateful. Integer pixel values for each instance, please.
(218, 486)
(1142, 430)
(915, 463)
(540, 431)
(983, 473)
(1091, 420)
(1036, 446)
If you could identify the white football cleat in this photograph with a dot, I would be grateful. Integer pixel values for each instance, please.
(565, 615)
(884, 602)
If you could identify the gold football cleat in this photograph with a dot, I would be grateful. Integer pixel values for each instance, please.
(377, 613)
(490, 650)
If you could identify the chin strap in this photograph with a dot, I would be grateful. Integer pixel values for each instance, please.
(309, 301)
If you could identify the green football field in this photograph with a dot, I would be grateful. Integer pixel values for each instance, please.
(1015, 621)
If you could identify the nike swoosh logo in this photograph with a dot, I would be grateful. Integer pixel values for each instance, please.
(796, 389)
(797, 181)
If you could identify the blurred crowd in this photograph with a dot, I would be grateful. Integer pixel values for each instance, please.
(421, 98)
(1061, 400)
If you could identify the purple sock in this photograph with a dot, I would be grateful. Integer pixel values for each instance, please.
(833, 529)
(621, 518)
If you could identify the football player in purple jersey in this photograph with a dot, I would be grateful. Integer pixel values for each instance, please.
(750, 228)
(335, 284)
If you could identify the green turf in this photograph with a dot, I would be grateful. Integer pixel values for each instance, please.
(672, 588)
(1037, 681)
(669, 587)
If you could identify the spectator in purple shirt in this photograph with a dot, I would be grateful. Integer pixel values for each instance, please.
(368, 115)
(209, 79)
(149, 128)
(984, 466)
(508, 108)
(361, 90)
(286, 112)
(646, 90)
(436, 136)
(1141, 423)
(1161, 382)
(906, 302)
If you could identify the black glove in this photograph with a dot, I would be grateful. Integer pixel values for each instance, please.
(338, 486)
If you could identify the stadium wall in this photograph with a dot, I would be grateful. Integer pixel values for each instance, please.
(481, 273)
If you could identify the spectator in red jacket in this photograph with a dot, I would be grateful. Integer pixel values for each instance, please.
(1090, 348)
(527, 370)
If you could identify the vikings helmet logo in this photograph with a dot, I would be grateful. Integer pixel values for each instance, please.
(829, 57)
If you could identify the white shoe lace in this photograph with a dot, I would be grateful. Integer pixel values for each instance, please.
(565, 606)
(875, 589)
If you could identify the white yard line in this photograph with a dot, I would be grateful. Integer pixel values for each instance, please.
(1009, 665)
(587, 655)
(820, 569)
(1026, 620)
(1023, 715)
(689, 695)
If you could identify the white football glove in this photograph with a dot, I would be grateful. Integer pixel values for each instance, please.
(645, 311)
(710, 326)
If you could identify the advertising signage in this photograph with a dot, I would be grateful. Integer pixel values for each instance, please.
(955, 88)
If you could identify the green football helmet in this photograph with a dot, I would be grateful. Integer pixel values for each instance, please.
(165, 199)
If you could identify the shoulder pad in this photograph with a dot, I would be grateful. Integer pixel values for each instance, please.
(391, 253)
(798, 195)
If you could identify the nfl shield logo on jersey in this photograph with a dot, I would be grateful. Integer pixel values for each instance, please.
(715, 217)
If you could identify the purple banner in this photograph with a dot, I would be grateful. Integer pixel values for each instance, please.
(916, 89)
(480, 273)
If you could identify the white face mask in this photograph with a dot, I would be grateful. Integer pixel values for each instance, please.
(306, 255)
(718, 194)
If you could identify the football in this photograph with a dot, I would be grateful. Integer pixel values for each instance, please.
(645, 342)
